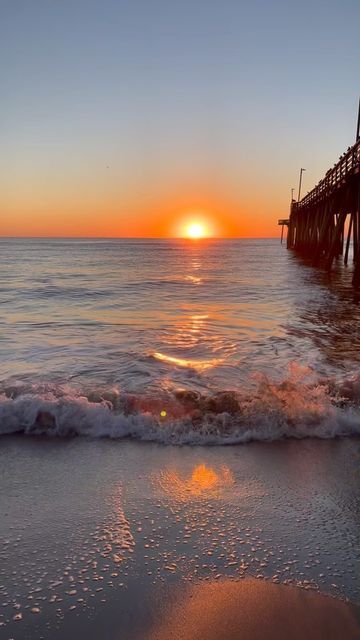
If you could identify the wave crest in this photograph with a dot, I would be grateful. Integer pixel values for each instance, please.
(297, 407)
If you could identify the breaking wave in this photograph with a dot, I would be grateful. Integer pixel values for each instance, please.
(297, 407)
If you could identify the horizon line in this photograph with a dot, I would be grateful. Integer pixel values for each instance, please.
(8, 237)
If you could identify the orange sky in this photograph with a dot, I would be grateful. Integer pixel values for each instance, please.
(170, 221)
(98, 212)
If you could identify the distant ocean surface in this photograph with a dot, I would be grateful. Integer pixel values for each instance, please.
(176, 341)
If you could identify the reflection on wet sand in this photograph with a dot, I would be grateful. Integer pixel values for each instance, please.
(114, 536)
(204, 481)
(253, 610)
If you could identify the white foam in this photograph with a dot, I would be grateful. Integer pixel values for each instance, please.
(297, 407)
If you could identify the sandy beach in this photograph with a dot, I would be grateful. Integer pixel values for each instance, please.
(123, 539)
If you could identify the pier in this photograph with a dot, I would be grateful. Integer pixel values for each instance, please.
(283, 223)
(325, 223)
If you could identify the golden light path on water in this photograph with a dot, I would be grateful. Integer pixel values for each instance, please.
(194, 279)
(199, 365)
(191, 333)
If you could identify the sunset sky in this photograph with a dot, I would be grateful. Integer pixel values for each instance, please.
(138, 117)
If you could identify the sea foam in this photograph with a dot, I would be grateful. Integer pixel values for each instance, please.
(293, 408)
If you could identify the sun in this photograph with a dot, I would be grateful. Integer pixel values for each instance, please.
(195, 230)
(194, 225)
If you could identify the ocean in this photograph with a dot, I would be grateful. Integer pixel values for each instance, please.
(175, 341)
(122, 361)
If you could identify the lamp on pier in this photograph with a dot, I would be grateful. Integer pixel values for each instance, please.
(300, 180)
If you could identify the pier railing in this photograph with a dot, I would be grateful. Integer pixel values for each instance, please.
(349, 164)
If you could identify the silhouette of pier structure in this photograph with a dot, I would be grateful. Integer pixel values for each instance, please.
(325, 224)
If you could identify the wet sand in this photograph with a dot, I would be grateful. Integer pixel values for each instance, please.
(254, 610)
(105, 539)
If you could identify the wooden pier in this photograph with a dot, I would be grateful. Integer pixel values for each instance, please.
(326, 222)
(283, 223)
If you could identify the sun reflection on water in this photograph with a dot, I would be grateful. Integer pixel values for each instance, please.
(203, 482)
(194, 279)
(193, 341)
(199, 365)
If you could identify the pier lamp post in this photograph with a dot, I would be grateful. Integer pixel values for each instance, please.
(300, 179)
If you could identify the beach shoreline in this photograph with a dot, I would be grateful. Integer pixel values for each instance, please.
(251, 610)
(105, 538)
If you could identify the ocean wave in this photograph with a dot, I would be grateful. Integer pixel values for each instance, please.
(296, 407)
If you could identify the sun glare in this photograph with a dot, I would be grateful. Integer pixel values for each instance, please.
(195, 230)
